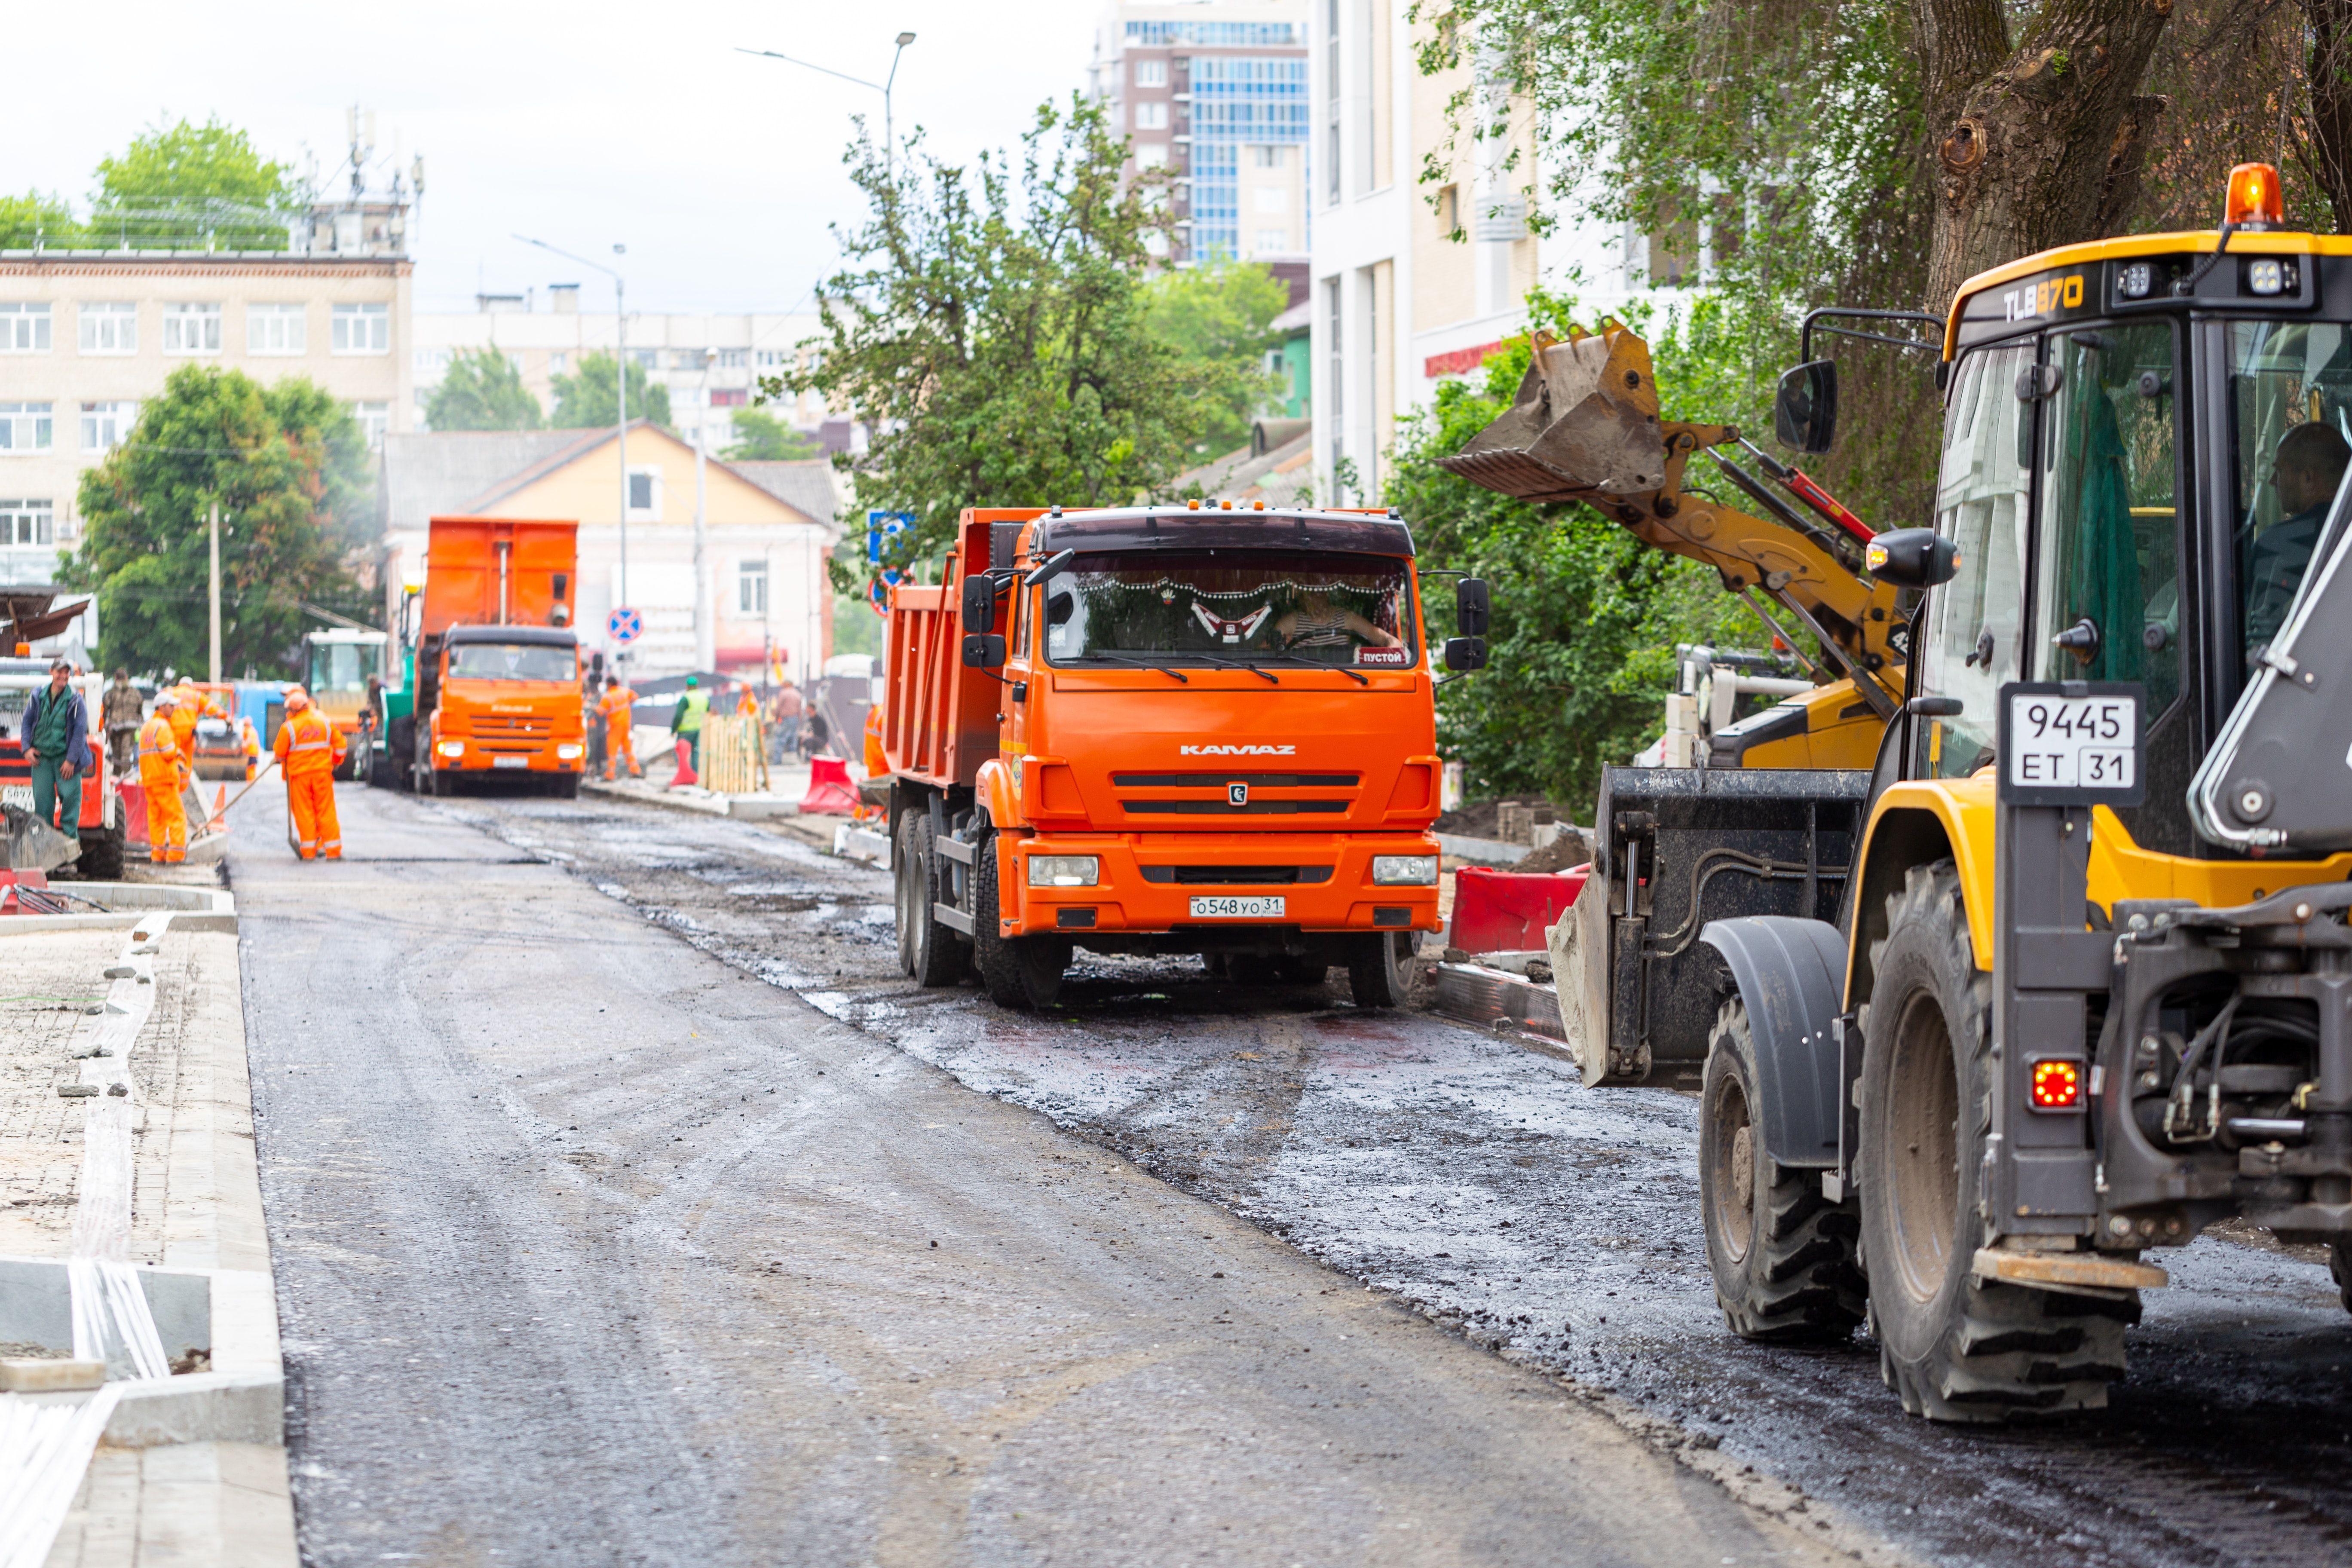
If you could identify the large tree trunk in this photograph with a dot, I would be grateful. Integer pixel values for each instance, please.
(2040, 140)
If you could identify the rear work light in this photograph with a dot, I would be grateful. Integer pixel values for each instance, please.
(2056, 1084)
(2254, 200)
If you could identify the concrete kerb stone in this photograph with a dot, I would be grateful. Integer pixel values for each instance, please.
(128, 903)
(702, 803)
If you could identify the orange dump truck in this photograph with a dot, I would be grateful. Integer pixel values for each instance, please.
(1175, 730)
(497, 662)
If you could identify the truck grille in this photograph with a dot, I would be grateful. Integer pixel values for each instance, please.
(1237, 876)
(1222, 808)
(1219, 780)
(512, 724)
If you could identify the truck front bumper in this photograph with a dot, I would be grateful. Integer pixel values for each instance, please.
(1166, 883)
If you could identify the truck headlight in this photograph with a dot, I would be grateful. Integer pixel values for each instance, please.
(1065, 871)
(568, 751)
(451, 747)
(1405, 870)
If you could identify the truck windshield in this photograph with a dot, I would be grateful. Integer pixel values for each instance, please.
(344, 666)
(513, 661)
(1164, 608)
(2290, 390)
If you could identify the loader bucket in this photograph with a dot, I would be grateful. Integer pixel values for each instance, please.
(1583, 425)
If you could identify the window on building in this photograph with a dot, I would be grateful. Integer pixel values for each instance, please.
(362, 330)
(1449, 211)
(734, 359)
(559, 364)
(24, 429)
(1269, 154)
(1331, 104)
(192, 327)
(1334, 330)
(275, 330)
(1151, 116)
(1151, 73)
(1151, 155)
(752, 588)
(1272, 239)
(647, 359)
(27, 522)
(109, 327)
(104, 425)
(1155, 243)
(23, 328)
(729, 396)
(645, 494)
(374, 421)
(773, 359)
(514, 362)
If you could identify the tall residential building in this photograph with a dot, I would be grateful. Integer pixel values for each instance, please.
(86, 336)
(710, 365)
(1215, 92)
(1416, 280)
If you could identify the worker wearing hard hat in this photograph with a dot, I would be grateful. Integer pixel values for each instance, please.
(617, 707)
(162, 774)
(309, 750)
(187, 707)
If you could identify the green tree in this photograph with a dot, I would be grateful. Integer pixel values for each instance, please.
(1216, 317)
(761, 436)
(991, 328)
(287, 468)
(583, 400)
(482, 391)
(33, 220)
(192, 186)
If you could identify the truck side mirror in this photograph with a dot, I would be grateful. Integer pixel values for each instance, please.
(1804, 413)
(978, 604)
(1472, 604)
(982, 650)
(1463, 655)
(1912, 558)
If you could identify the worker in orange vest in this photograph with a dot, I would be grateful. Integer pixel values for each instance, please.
(187, 707)
(309, 750)
(620, 745)
(162, 774)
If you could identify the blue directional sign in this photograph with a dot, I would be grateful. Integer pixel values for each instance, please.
(882, 527)
(624, 625)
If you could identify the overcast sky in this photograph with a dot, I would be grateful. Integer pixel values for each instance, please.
(584, 124)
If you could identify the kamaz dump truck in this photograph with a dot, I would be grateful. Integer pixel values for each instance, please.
(497, 663)
(1167, 730)
(2090, 988)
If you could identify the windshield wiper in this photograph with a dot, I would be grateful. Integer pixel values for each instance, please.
(1141, 663)
(1267, 676)
(1303, 662)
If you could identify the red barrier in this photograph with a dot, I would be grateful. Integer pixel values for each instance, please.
(830, 793)
(1508, 912)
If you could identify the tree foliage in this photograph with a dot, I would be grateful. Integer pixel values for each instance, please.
(762, 437)
(585, 399)
(36, 221)
(1217, 317)
(288, 467)
(189, 186)
(991, 327)
(482, 391)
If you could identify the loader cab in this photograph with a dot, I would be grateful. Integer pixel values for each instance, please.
(2138, 450)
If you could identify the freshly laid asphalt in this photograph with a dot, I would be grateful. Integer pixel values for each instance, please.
(593, 1247)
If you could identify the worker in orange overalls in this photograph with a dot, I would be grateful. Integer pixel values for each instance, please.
(617, 705)
(310, 748)
(187, 707)
(162, 774)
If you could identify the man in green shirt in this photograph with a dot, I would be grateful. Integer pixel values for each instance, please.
(685, 722)
(56, 735)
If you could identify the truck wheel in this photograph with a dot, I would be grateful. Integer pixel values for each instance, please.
(1016, 972)
(102, 855)
(1954, 1347)
(902, 874)
(1381, 972)
(567, 786)
(402, 751)
(938, 953)
(1781, 1253)
(2339, 1267)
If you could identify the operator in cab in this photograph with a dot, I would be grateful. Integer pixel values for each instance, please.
(2310, 464)
(1319, 623)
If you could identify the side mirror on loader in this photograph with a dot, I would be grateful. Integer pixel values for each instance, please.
(1912, 558)
(1804, 412)
(1472, 605)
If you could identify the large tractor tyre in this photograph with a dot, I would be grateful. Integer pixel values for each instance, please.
(1955, 1348)
(1383, 971)
(1016, 972)
(401, 754)
(102, 855)
(2339, 1264)
(1783, 1255)
(936, 953)
(902, 898)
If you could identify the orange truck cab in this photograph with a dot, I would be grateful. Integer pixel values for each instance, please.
(498, 664)
(1170, 729)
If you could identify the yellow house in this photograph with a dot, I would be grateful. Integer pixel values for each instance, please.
(768, 529)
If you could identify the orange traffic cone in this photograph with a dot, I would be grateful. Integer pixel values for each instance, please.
(219, 822)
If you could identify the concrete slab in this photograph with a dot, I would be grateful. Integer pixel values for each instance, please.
(214, 1503)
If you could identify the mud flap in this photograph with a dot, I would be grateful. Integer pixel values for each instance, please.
(1792, 975)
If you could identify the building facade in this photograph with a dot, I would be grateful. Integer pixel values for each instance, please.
(709, 364)
(86, 337)
(1215, 92)
(1415, 278)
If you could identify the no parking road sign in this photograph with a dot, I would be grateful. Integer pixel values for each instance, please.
(624, 625)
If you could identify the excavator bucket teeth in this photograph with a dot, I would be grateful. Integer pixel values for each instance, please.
(1583, 427)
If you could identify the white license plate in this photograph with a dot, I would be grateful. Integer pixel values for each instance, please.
(510, 761)
(1213, 907)
(2072, 742)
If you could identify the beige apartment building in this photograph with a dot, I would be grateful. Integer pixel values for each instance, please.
(86, 336)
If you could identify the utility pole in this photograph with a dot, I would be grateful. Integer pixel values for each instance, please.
(706, 639)
(212, 530)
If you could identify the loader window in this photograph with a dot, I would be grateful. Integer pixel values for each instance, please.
(1976, 622)
(344, 666)
(1266, 606)
(2291, 409)
(2110, 534)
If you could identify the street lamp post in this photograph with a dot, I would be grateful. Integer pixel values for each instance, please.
(890, 143)
(621, 392)
(706, 639)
